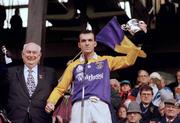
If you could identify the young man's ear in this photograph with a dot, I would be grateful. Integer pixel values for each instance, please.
(95, 43)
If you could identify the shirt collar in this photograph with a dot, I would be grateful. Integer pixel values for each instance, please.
(95, 56)
(169, 119)
(34, 69)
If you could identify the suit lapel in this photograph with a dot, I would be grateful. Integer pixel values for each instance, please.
(21, 78)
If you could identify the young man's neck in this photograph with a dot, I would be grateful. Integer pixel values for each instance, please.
(88, 56)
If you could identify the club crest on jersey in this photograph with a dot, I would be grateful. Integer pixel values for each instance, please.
(99, 65)
(79, 69)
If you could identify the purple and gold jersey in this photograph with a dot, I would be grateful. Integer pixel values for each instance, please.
(94, 75)
(95, 78)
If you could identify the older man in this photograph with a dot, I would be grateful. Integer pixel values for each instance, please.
(143, 78)
(29, 87)
(171, 112)
(134, 113)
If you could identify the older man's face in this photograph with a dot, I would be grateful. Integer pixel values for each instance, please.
(170, 110)
(143, 77)
(31, 55)
(133, 117)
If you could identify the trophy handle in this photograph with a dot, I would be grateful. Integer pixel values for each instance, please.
(125, 27)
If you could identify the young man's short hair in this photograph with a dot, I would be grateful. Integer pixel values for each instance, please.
(146, 88)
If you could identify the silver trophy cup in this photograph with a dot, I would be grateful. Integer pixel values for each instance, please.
(131, 26)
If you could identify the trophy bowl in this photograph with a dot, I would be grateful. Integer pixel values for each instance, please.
(133, 25)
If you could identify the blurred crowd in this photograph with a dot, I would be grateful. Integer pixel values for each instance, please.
(157, 100)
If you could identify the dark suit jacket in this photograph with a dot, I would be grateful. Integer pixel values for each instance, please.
(151, 113)
(19, 101)
(176, 120)
(3, 70)
(3, 85)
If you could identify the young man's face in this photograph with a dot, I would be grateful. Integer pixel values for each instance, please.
(87, 43)
(146, 96)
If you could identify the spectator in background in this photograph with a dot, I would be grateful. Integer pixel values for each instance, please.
(177, 94)
(164, 92)
(115, 93)
(16, 30)
(171, 112)
(166, 20)
(62, 113)
(175, 87)
(154, 76)
(142, 79)
(122, 114)
(115, 99)
(150, 112)
(134, 113)
(125, 93)
(161, 108)
(16, 21)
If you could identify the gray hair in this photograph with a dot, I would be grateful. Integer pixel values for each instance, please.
(31, 43)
